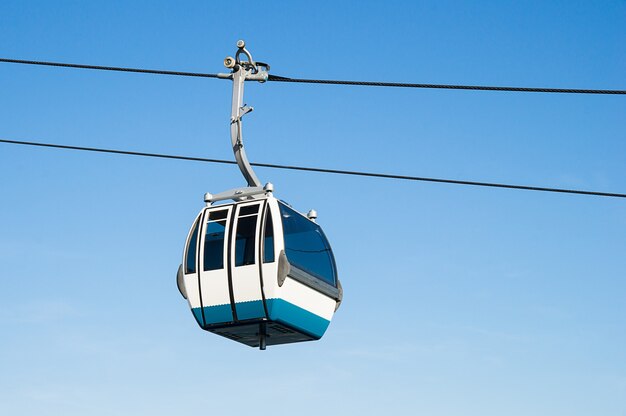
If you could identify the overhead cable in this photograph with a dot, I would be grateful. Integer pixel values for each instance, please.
(109, 68)
(276, 78)
(320, 170)
(445, 86)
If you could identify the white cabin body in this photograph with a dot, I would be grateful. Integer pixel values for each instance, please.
(260, 273)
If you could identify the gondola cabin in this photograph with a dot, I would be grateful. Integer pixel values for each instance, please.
(260, 273)
(255, 270)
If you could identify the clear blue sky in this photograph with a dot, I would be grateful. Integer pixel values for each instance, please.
(458, 300)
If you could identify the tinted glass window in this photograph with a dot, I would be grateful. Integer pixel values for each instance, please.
(218, 215)
(268, 239)
(250, 209)
(190, 261)
(306, 246)
(214, 241)
(244, 240)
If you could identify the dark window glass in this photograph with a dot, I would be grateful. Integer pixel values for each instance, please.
(218, 215)
(190, 262)
(214, 242)
(244, 240)
(268, 239)
(306, 245)
(250, 209)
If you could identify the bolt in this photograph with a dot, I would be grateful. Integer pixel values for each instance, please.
(229, 62)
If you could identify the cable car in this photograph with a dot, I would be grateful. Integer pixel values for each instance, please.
(260, 273)
(255, 270)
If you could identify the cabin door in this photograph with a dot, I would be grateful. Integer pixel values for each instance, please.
(244, 261)
(214, 272)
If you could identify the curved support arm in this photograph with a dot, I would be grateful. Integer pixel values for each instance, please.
(236, 134)
(243, 70)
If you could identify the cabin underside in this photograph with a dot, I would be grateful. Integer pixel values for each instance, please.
(250, 333)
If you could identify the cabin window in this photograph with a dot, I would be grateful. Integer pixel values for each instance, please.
(306, 245)
(245, 235)
(214, 240)
(190, 257)
(268, 239)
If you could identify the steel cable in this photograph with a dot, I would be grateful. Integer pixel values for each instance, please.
(445, 86)
(109, 68)
(276, 78)
(322, 170)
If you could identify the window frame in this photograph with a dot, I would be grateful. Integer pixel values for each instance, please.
(257, 226)
(299, 273)
(195, 229)
(206, 221)
(267, 213)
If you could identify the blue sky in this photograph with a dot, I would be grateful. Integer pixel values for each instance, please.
(458, 300)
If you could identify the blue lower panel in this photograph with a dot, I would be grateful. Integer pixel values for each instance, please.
(250, 310)
(289, 314)
(222, 313)
(280, 311)
(213, 314)
(197, 313)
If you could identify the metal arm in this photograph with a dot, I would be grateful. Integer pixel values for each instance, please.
(242, 70)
